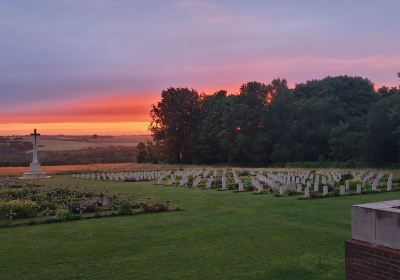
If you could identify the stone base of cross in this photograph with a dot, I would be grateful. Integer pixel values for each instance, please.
(34, 175)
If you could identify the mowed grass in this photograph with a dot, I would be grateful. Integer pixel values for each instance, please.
(219, 235)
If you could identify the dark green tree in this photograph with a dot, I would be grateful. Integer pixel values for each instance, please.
(323, 118)
(174, 120)
(333, 119)
(250, 109)
(212, 129)
(384, 131)
(141, 154)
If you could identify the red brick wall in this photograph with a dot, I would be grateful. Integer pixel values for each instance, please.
(365, 261)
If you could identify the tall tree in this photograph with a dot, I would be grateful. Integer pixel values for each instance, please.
(323, 119)
(383, 131)
(211, 128)
(250, 117)
(174, 120)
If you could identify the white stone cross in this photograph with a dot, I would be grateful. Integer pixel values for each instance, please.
(35, 156)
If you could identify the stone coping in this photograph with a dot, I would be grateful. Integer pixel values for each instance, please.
(377, 223)
(391, 206)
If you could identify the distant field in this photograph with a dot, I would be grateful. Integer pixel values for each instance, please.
(57, 143)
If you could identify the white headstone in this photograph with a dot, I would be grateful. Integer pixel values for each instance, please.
(325, 191)
(209, 182)
(241, 187)
(223, 182)
(307, 192)
(316, 183)
(196, 181)
(375, 185)
(342, 190)
(389, 183)
(358, 188)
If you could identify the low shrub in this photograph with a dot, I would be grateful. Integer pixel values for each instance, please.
(63, 214)
(12, 193)
(22, 208)
(125, 209)
(247, 185)
(47, 204)
(291, 192)
(90, 207)
(354, 182)
(75, 207)
(158, 207)
(344, 178)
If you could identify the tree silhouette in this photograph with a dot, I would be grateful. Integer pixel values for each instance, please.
(398, 75)
(174, 120)
(335, 119)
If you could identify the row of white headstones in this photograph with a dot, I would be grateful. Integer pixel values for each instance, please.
(281, 182)
(120, 176)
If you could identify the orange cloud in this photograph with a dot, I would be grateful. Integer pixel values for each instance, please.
(111, 115)
(115, 114)
(77, 128)
(104, 109)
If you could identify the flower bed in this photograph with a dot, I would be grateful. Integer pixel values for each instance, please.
(27, 204)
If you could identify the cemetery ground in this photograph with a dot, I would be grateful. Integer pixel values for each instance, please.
(70, 168)
(218, 235)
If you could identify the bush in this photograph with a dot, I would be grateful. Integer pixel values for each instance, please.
(22, 208)
(158, 207)
(13, 193)
(63, 214)
(90, 207)
(344, 178)
(125, 209)
(354, 182)
(291, 192)
(47, 204)
(39, 197)
(247, 185)
(75, 208)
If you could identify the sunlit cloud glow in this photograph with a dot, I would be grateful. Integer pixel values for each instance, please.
(100, 64)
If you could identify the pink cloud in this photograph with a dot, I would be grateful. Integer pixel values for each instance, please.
(118, 108)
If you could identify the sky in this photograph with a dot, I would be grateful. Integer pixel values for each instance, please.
(96, 66)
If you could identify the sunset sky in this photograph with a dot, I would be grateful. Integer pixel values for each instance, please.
(96, 66)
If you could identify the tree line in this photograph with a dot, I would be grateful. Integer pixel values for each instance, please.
(335, 119)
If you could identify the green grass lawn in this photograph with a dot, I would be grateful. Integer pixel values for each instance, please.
(219, 235)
